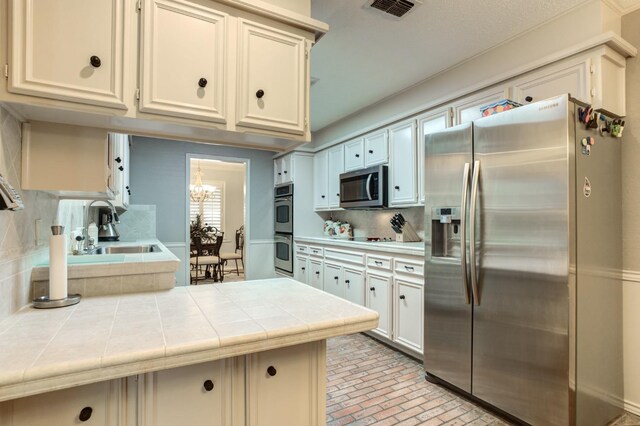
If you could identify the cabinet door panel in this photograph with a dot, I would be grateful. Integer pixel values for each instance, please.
(556, 81)
(376, 148)
(284, 387)
(315, 274)
(271, 86)
(333, 280)
(320, 180)
(409, 314)
(63, 407)
(378, 292)
(336, 167)
(42, 62)
(468, 109)
(403, 181)
(286, 165)
(430, 123)
(354, 155)
(181, 396)
(302, 269)
(177, 64)
(354, 285)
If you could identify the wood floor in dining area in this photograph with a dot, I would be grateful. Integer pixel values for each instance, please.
(369, 383)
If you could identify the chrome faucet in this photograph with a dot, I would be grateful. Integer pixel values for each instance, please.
(89, 244)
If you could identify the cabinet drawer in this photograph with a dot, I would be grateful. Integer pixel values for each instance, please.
(411, 267)
(302, 249)
(380, 262)
(316, 251)
(344, 256)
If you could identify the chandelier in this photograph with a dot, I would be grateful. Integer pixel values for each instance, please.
(199, 192)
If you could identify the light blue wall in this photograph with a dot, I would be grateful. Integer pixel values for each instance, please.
(158, 177)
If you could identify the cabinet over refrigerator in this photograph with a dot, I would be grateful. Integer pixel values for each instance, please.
(523, 297)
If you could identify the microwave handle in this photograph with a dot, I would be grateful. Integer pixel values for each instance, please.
(368, 185)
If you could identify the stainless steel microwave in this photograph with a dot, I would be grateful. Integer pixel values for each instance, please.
(365, 188)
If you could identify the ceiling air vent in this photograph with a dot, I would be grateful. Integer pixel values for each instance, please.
(397, 8)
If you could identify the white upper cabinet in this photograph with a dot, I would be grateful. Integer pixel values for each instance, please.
(354, 155)
(336, 167)
(183, 72)
(376, 147)
(569, 77)
(320, 181)
(272, 72)
(69, 50)
(468, 109)
(403, 188)
(431, 122)
(283, 170)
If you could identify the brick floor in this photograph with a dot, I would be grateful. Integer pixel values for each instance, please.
(371, 384)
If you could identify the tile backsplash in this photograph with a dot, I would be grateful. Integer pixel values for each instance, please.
(138, 223)
(375, 223)
(19, 250)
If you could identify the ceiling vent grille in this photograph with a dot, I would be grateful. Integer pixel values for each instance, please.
(397, 8)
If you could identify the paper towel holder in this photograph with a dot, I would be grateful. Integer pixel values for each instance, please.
(44, 302)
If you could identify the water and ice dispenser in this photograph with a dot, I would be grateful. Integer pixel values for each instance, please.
(445, 232)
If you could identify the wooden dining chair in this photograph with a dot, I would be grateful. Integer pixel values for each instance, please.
(207, 255)
(238, 254)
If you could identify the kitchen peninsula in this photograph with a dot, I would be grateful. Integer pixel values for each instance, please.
(254, 349)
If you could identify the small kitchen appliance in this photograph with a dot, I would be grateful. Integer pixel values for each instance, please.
(107, 228)
(365, 188)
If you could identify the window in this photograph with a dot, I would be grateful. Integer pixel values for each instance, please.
(211, 209)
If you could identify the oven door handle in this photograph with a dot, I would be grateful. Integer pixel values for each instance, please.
(368, 185)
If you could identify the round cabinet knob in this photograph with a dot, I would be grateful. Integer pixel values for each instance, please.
(202, 82)
(357, 155)
(528, 99)
(208, 385)
(303, 268)
(121, 168)
(322, 196)
(335, 278)
(317, 272)
(126, 187)
(397, 187)
(118, 160)
(95, 61)
(372, 289)
(279, 174)
(402, 297)
(260, 94)
(346, 281)
(338, 194)
(271, 371)
(85, 414)
(285, 172)
(370, 151)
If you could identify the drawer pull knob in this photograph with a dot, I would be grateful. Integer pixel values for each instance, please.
(285, 172)
(85, 414)
(409, 268)
(347, 281)
(335, 278)
(402, 297)
(208, 385)
(317, 272)
(357, 155)
(271, 371)
(528, 99)
(397, 188)
(377, 262)
(322, 196)
(118, 160)
(121, 168)
(303, 268)
(370, 151)
(202, 82)
(260, 94)
(279, 174)
(372, 288)
(95, 61)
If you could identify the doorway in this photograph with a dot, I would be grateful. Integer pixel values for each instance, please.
(217, 219)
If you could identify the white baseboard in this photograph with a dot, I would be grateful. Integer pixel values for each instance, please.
(632, 407)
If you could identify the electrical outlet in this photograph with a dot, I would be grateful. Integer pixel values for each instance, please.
(38, 232)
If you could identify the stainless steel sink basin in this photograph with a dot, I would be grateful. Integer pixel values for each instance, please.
(146, 248)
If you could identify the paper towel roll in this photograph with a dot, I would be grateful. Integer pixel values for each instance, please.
(57, 267)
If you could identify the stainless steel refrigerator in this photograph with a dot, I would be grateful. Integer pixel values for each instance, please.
(523, 293)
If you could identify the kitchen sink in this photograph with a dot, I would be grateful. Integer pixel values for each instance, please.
(146, 248)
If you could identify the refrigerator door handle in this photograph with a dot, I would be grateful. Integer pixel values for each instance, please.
(472, 231)
(463, 230)
(368, 185)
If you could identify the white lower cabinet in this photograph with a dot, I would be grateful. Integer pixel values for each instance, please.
(333, 281)
(354, 280)
(379, 290)
(408, 313)
(301, 272)
(96, 404)
(286, 386)
(315, 273)
(197, 395)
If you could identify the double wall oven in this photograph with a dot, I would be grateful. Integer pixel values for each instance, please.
(283, 226)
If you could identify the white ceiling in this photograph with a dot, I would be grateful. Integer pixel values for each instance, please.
(367, 56)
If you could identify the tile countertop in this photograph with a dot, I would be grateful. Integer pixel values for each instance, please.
(100, 265)
(108, 337)
(416, 249)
